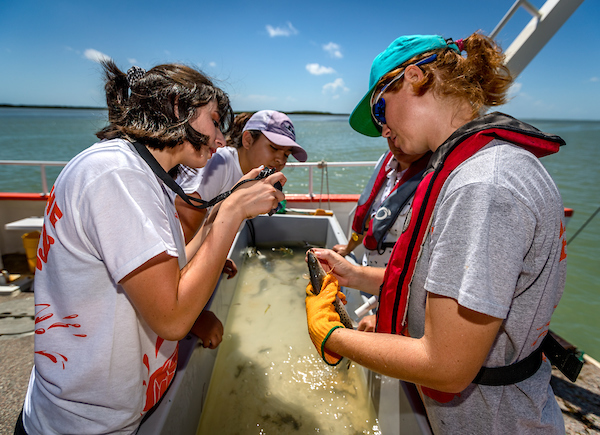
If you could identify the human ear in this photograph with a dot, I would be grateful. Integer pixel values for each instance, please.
(414, 77)
(413, 74)
(247, 140)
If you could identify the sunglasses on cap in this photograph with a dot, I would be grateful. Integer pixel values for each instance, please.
(378, 104)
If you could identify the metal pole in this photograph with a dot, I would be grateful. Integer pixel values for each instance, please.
(44, 181)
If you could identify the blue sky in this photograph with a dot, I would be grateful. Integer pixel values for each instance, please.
(283, 55)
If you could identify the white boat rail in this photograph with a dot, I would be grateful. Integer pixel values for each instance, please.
(42, 165)
(323, 165)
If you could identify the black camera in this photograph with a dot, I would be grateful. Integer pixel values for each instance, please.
(264, 174)
(267, 172)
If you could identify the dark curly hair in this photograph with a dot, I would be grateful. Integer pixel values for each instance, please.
(156, 109)
(481, 77)
(234, 137)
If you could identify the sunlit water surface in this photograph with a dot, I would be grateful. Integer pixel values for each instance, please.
(59, 134)
(268, 378)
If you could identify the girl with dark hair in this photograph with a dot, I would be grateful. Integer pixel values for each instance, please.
(266, 138)
(467, 296)
(114, 288)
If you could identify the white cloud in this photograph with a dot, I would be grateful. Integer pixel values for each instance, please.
(336, 85)
(95, 55)
(132, 61)
(515, 89)
(281, 31)
(333, 49)
(317, 70)
(212, 64)
(595, 79)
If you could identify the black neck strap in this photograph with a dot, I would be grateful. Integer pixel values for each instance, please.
(168, 180)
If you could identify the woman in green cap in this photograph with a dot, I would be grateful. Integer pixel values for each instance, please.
(480, 266)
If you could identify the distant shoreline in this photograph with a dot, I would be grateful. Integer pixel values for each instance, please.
(33, 106)
(30, 106)
(293, 112)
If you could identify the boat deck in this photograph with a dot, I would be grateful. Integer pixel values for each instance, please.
(580, 401)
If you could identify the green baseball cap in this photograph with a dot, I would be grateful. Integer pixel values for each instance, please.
(402, 49)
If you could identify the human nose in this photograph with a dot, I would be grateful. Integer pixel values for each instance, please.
(385, 131)
(220, 139)
(281, 156)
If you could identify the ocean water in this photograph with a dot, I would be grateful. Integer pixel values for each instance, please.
(59, 134)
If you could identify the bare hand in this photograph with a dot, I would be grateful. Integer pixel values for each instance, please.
(335, 264)
(209, 329)
(256, 197)
(341, 249)
(367, 323)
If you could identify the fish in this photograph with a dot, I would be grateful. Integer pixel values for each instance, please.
(317, 276)
(252, 252)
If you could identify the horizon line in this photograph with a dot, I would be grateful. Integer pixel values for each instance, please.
(292, 112)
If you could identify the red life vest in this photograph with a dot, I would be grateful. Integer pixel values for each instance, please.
(462, 144)
(365, 202)
(390, 207)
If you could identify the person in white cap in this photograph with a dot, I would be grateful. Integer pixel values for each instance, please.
(265, 138)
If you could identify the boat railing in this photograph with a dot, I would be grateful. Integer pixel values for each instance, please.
(322, 165)
(42, 165)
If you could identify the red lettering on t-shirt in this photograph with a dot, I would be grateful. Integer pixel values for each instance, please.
(562, 229)
(159, 342)
(51, 199)
(52, 357)
(53, 213)
(40, 319)
(160, 380)
(563, 252)
(42, 255)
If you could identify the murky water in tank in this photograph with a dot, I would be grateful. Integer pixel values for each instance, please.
(268, 377)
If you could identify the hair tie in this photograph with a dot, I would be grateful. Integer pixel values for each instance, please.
(461, 45)
(134, 74)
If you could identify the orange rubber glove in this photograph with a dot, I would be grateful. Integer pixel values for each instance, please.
(322, 318)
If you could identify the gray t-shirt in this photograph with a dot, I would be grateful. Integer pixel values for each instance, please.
(496, 245)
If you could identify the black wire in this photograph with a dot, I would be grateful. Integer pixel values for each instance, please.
(168, 180)
(584, 225)
(252, 231)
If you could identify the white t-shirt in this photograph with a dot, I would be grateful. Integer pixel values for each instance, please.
(220, 174)
(98, 366)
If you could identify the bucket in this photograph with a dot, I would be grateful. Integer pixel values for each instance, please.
(30, 243)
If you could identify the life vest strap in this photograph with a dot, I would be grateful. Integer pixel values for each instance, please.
(565, 360)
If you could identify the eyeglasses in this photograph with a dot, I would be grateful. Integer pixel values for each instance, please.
(378, 104)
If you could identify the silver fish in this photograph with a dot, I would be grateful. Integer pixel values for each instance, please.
(317, 276)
